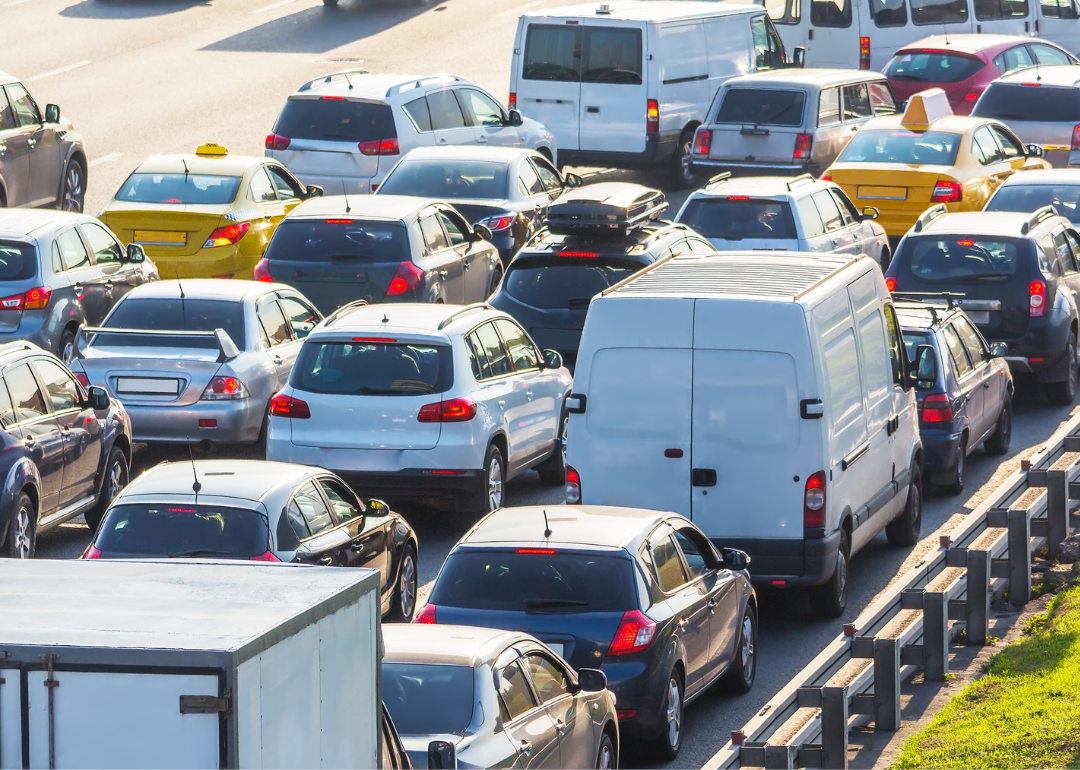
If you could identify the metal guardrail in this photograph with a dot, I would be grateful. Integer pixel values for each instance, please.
(856, 679)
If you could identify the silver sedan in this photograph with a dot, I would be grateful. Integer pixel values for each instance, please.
(197, 360)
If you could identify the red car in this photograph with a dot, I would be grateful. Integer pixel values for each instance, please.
(964, 65)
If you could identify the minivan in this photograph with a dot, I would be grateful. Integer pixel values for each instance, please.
(771, 405)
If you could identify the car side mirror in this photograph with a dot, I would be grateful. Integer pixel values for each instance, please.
(376, 507)
(441, 755)
(590, 680)
(52, 113)
(869, 212)
(926, 368)
(514, 118)
(572, 180)
(481, 232)
(734, 559)
(798, 57)
(1035, 151)
(97, 397)
(553, 359)
(136, 254)
(314, 191)
(999, 350)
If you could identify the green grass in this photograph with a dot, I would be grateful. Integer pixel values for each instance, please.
(1024, 713)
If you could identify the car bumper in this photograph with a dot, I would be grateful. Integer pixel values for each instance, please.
(941, 449)
(218, 262)
(788, 562)
(336, 185)
(236, 422)
(704, 166)
(638, 685)
(33, 328)
(415, 484)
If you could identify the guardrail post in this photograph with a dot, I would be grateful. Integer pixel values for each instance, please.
(886, 685)
(1057, 510)
(834, 727)
(780, 757)
(978, 596)
(1019, 557)
(935, 636)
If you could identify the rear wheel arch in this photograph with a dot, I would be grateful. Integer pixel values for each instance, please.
(31, 491)
(546, 152)
(847, 521)
(499, 440)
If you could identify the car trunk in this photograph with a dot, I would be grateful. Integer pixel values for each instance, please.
(152, 375)
(335, 283)
(1039, 114)
(172, 231)
(365, 422)
(900, 191)
(18, 274)
(475, 210)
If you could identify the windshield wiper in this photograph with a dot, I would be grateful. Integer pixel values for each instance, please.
(540, 604)
(199, 552)
(774, 116)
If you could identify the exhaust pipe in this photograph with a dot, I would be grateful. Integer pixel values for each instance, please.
(206, 446)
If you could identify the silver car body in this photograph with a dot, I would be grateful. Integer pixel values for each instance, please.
(261, 361)
(565, 731)
(1036, 188)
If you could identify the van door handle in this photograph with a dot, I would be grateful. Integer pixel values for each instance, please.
(703, 477)
(593, 110)
(848, 461)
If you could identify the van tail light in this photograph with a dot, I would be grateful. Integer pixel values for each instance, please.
(890, 284)
(35, 299)
(864, 53)
(702, 141)
(283, 405)
(1037, 301)
(936, 408)
(380, 147)
(652, 117)
(946, 191)
(814, 501)
(513, 101)
(228, 235)
(573, 486)
(451, 410)
(91, 553)
(262, 271)
(268, 556)
(803, 143)
(406, 279)
(277, 142)
(426, 615)
(635, 633)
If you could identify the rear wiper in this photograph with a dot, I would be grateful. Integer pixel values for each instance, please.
(578, 301)
(539, 604)
(348, 257)
(199, 552)
(378, 391)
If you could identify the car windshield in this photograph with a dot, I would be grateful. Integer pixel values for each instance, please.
(1034, 102)
(362, 368)
(961, 260)
(183, 530)
(762, 107)
(1065, 199)
(173, 314)
(427, 699)
(179, 189)
(932, 148)
(536, 581)
(335, 119)
(338, 240)
(447, 179)
(932, 67)
(739, 217)
(912, 340)
(18, 261)
(564, 282)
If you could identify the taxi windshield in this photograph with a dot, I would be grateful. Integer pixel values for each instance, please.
(179, 188)
(929, 148)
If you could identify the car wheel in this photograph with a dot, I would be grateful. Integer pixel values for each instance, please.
(605, 757)
(65, 351)
(998, 444)
(74, 194)
(404, 603)
(489, 492)
(116, 478)
(553, 470)
(22, 537)
(666, 745)
(683, 175)
(740, 676)
(829, 600)
(904, 529)
(886, 258)
(956, 486)
(496, 279)
(1062, 393)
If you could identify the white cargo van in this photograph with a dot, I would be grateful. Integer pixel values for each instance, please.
(764, 396)
(626, 83)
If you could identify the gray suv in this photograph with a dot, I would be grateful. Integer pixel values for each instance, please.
(42, 159)
(59, 270)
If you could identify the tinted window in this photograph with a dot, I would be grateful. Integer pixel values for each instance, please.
(336, 120)
(901, 146)
(971, 339)
(830, 13)
(695, 560)
(889, 13)
(445, 110)
(346, 240)
(1014, 58)
(18, 261)
(932, 67)
(856, 102)
(104, 246)
(988, 10)
(515, 697)
(286, 188)
(418, 111)
(369, 369)
(956, 353)
(565, 283)
(552, 53)
(434, 237)
(666, 562)
(1008, 101)
(529, 179)
(962, 260)
(312, 508)
(274, 328)
(7, 409)
(1058, 9)
(342, 501)
(197, 315)
(7, 115)
(455, 229)
(549, 177)
(938, 11)
(564, 582)
(301, 316)
(25, 393)
(61, 389)
(522, 353)
(425, 700)
(548, 679)
(183, 529)
(447, 179)
(72, 249)
(765, 106)
(496, 362)
(1028, 197)
(612, 55)
(178, 188)
(738, 219)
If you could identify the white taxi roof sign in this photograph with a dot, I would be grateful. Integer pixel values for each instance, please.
(924, 108)
(216, 150)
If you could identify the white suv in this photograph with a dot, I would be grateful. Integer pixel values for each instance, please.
(413, 401)
(345, 131)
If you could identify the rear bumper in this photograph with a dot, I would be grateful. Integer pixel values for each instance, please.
(219, 262)
(1041, 350)
(657, 150)
(414, 483)
(941, 450)
(638, 686)
(705, 166)
(33, 328)
(335, 185)
(238, 422)
(796, 562)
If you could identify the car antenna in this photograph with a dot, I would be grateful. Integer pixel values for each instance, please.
(186, 172)
(196, 487)
(547, 527)
(183, 307)
(347, 207)
(346, 74)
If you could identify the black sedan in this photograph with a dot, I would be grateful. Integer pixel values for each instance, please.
(506, 189)
(262, 511)
(641, 595)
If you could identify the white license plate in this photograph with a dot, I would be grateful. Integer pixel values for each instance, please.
(148, 386)
(556, 648)
(979, 316)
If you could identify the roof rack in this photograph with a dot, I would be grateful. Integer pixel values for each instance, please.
(929, 216)
(722, 177)
(925, 299)
(1037, 216)
(327, 79)
(347, 306)
(605, 209)
(801, 179)
(463, 311)
(8, 347)
(427, 79)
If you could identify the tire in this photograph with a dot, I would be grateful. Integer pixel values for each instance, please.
(998, 443)
(886, 258)
(829, 600)
(1062, 393)
(65, 349)
(606, 758)
(115, 479)
(73, 194)
(553, 470)
(740, 677)
(904, 529)
(404, 602)
(22, 535)
(489, 492)
(956, 486)
(665, 746)
(493, 286)
(682, 175)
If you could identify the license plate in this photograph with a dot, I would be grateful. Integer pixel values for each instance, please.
(148, 386)
(556, 648)
(161, 237)
(981, 317)
(884, 193)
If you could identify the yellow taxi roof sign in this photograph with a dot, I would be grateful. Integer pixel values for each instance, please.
(924, 108)
(216, 150)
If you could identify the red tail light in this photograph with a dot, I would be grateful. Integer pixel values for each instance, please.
(1037, 301)
(380, 147)
(803, 143)
(702, 141)
(496, 224)
(635, 634)
(268, 556)
(426, 615)
(1076, 138)
(890, 284)
(35, 299)
(82, 378)
(538, 551)
(826, 178)
(91, 553)
(936, 408)
(573, 486)
(454, 410)
(947, 192)
(973, 96)
(513, 101)
(407, 278)
(652, 117)
(262, 271)
(864, 53)
(814, 501)
(225, 236)
(277, 142)
(286, 406)
(623, 714)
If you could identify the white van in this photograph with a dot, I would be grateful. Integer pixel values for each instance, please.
(764, 396)
(866, 34)
(626, 83)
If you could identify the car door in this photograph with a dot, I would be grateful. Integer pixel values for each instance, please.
(79, 427)
(992, 393)
(864, 237)
(367, 534)
(971, 390)
(722, 600)
(550, 179)
(1064, 264)
(271, 210)
(43, 172)
(856, 110)
(1072, 264)
(529, 727)
(811, 226)
(281, 350)
(14, 155)
(81, 274)
(447, 118)
(321, 540)
(116, 276)
(489, 122)
(991, 156)
(551, 683)
(442, 258)
(540, 412)
(833, 219)
(613, 88)
(533, 188)
(40, 433)
(849, 235)
(475, 258)
(502, 390)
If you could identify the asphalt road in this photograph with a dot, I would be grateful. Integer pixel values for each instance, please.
(149, 76)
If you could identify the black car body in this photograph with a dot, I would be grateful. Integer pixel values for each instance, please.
(65, 450)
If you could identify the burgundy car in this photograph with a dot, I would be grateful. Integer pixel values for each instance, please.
(964, 65)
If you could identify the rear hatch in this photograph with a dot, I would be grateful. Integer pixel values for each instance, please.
(900, 192)
(18, 271)
(757, 125)
(910, 72)
(1039, 114)
(739, 222)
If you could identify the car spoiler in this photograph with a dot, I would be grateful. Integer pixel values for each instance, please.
(227, 349)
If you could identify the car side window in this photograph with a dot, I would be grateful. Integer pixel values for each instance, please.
(896, 346)
(699, 246)
(485, 112)
(497, 363)
(261, 189)
(286, 188)
(1014, 58)
(523, 355)
(665, 557)
(434, 237)
(810, 217)
(957, 353)
(1049, 55)
(26, 109)
(1010, 145)
(7, 409)
(515, 697)
(1062, 253)
(829, 107)
(296, 521)
(61, 388)
(548, 679)
(847, 209)
(72, 250)
(549, 177)
(1068, 252)
(830, 212)
(477, 360)
(856, 102)
(105, 247)
(830, 13)
(972, 340)
(417, 110)
(985, 147)
(454, 228)
(445, 110)
(7, 115)
(695, 559)
(341, 500)
(530, 181)
(301, 316)
(1074, 243)
(313, 509)
(881, 98)
(273, 324)
(25, 393)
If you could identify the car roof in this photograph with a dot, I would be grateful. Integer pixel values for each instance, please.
(647, 10)
(5, 78)
(762, 186)
(359, 84)
(403, 318)
(1050, 75)
(204, 288)
(388, 207)
(19, 347)
(1043, 176)
(24, 223)
(468, 152)
(445, 644)
(221, 165)
(966, 43)
(591, 526)
(634, 245)
(814, 76)
(978, 224)
(241, 479)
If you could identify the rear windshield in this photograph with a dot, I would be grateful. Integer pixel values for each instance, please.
(373, 369)
(183, 530)
(447, 179)
(1065, 199)
(561, 582)
(931, 67)
(565, 282)
(1013, 101)
(912, 340)
(338, 240)
(192, 315)
(932, 148)
(336, 120)
(761, 107)
(738, 217)
(425, 699)
(962, 260)
(588, 55)
(179, 188)
(18, 261)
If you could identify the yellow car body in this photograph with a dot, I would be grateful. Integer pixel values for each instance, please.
(903, 164)
(207, 215)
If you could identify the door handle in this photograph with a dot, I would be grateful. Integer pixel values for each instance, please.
(3, 149)
(65, 429)
(502, 404)
(32, 143)
(712, 605)
(854, 129)
(279, 360)
(482, 140)
(442, 141)
(29, 440)
(682, 624)
(986, 385)
(560, 727)
(703, 477)
(356, 547)
(528, 394)
(465, 266)
(525, 748)
(443, 273)
(326, 561)
(268, 217)
(593, 110)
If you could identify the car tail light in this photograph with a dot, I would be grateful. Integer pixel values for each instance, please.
(864, 53)
(497, 224)
(91, 553)
(513, 101)
(890, 284)
(702, 141)
(453, 410)
(225, 236)
(936, 408)
(946, 191)
(573, 486)
(826, 178)
(268, 556)
(277, 142)
(262, 271)
(283, 405)
(35, 299)
(82, 378)
(635, 633)
(1076, 138)
(1037, 300)
(814, 501)
(652, 117)
(426, 615)
(624, 714)
(803, 143)
(380, 147)
(407, 278)
(973, 96)
(224, 389)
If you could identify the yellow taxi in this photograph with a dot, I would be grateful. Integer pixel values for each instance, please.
(207, 215)
(903, 164)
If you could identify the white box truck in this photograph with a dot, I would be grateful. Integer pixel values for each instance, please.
(154, 664)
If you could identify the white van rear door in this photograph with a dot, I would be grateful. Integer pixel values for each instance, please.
(548, 87)
(613, 87)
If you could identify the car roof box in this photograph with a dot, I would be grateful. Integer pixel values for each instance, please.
(605, 209)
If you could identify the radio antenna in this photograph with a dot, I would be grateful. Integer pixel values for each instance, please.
(547, 527)
(347, 207)
(183, 306)
(196, 487)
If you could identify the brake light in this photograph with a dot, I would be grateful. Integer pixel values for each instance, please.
(1037, 301)
(971, 96)
(890, 284)
(224, 389)
(1076, 138)
(702, 141)
(225, 236)
(940, 411)
(495, 224)
(582, 254)
(864, 53)
(738, 197)
(946, 191)
(537, 551)
(268, 556)
(35, 299)
(283, 405)
(426, 615)
(277, 142)
(82, 378)
(513, 101)
(803, 143)
(262, 271)
(452, 410)
(652, 117)
(91, 553)
(573, 486)
(814, 501)
(623, 714)
(380, 147)
(635, 633)
(407, 278)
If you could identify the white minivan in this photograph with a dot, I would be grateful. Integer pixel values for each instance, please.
(626, 83)
(765, 396)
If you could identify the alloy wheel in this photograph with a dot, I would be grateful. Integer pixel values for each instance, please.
(407, 586)
(674, 712)
(73, 188)
(685, 151)
(841, 574)
(115, 481)
(67, 352)
(22, 534)
(495, 484)
(747, 651)
(607, 757)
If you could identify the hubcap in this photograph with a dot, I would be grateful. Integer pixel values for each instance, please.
(747, 648)
(495, 484)
(116, 481)
(408, 586)
(674, 712)
(22, 534)
(605, 756)
(960, 465)
(684, 160)
(841, 573)
(67, 352)
(73, 189)
(1006, 425)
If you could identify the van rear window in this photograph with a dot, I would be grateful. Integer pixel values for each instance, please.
(1014, 101)
(739, 217)
(336, 120)
(962, 260)
(932, 67)
(583, 54)
(762, 107)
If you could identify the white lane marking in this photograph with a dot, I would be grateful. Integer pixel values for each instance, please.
(106, 159)
(59, 70)
(15, 2)
(514, 11)
(271, 7)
